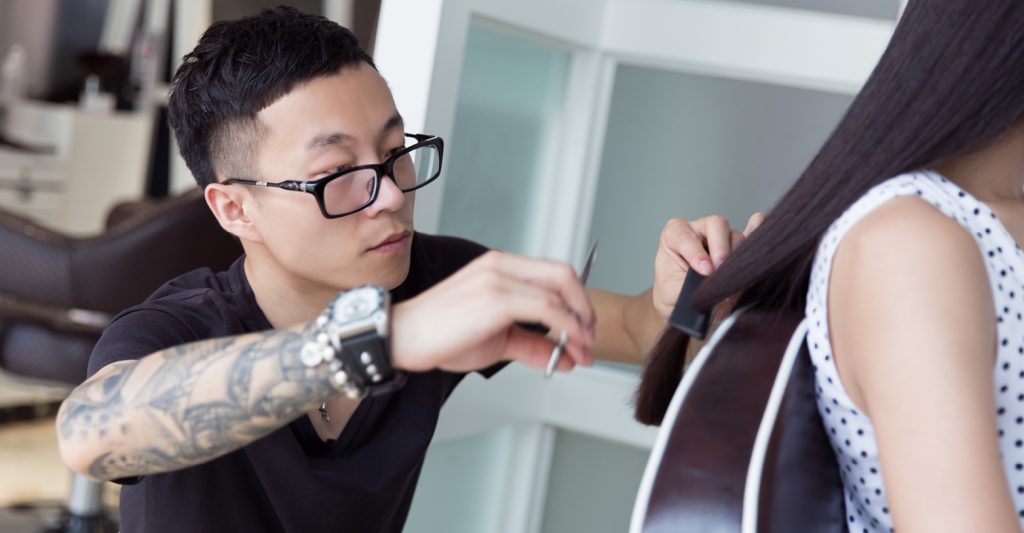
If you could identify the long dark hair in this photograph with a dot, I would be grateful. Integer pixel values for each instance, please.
(950, 82)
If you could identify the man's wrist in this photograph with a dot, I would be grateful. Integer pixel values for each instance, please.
(350, 339)
(647, 321)
(400, 352)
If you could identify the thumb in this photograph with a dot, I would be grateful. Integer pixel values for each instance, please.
(753, 223)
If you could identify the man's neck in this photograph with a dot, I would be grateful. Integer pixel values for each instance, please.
(284, 300)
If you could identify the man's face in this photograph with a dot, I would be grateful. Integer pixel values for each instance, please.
(331, 123)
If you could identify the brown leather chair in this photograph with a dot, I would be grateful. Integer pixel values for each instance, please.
(742, 447)
(57, 293)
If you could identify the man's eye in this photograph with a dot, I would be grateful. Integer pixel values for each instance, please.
(330, 172)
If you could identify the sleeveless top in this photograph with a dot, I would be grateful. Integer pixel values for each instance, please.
(850, 431)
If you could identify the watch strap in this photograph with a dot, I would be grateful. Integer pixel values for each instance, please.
(366, 356)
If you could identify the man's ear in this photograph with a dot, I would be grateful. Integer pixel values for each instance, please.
(233, 207)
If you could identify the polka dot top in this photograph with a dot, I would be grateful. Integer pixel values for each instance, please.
(850, 431)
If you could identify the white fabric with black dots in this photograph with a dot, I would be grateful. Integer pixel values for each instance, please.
(850, 431)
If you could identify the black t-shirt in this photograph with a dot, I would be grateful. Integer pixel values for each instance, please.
(289, 480)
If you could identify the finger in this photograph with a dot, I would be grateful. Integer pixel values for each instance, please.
(718, 235)
(684, 243)
(737, 239)
(753, 223)
(554, 277)
(579, 354)
(525, 302)
(533, 349)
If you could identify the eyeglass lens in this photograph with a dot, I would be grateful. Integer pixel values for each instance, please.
(354, 190)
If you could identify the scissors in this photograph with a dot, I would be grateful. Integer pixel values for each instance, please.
(556, 354)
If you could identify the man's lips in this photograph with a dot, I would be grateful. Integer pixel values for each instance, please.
(391, 239)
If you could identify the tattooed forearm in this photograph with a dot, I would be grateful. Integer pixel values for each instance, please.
(187, 405)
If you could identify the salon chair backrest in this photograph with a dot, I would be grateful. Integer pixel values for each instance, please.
(58, 292)
(742, 447)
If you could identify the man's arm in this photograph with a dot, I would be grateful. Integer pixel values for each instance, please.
(184, 406)
(629, 326)
(189, 404)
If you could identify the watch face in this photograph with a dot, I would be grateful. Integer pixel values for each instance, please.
(357, 304)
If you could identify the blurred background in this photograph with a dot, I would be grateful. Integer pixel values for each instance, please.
(566, 122)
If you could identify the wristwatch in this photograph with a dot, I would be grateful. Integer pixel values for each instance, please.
(352, 339)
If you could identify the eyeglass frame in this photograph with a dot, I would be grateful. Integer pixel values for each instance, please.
(386, 168)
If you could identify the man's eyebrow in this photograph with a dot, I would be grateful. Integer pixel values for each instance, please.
(327, 139)
(393, 122)
(337, 137)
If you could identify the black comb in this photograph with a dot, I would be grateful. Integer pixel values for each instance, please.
(684, 316)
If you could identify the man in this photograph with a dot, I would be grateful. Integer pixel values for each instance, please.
(272, 397)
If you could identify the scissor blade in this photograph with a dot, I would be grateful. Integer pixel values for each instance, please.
(556, 354)
(590, 261)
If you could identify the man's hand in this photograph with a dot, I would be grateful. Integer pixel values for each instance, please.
(682, 246)
(468, 322)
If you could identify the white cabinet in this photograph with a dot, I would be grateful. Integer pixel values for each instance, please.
(93, 161)
(574, 120)
(31, 186)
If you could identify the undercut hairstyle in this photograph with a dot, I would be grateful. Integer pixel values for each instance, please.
(240, 67)
(950, 83)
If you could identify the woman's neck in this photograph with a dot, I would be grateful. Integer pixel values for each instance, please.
(993, 174)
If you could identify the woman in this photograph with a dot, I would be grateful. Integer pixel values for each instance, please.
(899, 242)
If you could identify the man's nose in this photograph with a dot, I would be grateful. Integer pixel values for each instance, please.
(389, 197)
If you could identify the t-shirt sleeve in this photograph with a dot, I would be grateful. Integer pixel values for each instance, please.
(137, 333)
(492, 370)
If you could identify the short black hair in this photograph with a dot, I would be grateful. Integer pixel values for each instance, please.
(240, 67)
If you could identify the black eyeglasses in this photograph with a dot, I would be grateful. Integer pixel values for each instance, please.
(354, 189)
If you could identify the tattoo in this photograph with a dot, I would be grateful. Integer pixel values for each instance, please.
(187, 405)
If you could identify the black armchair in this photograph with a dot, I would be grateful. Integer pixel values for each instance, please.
(57, 293)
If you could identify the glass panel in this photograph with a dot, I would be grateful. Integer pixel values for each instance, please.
(687, 145)
(882, 9)
(592, 485)
(510, 97)
(460, 486)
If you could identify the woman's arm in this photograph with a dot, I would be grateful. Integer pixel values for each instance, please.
(914, 337)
